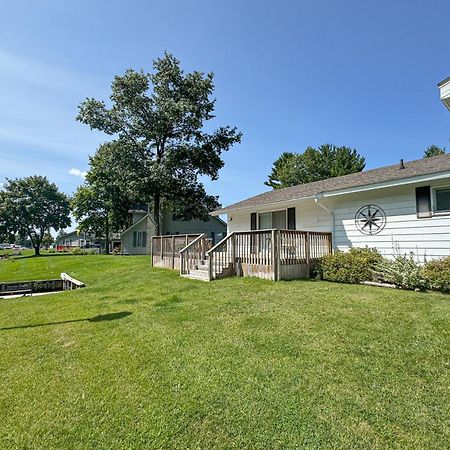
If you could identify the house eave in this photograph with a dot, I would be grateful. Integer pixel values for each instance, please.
(387, 184)
(329, 194)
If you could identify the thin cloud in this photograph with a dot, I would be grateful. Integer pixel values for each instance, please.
(78, 173)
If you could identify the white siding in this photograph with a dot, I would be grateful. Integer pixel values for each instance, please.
(308, 217)
(127, 238)
(427, 237)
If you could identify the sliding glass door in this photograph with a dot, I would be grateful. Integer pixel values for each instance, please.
(274, 219)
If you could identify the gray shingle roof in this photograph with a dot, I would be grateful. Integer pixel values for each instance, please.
(426, 166)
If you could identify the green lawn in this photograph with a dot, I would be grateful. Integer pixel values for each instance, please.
(142, 358)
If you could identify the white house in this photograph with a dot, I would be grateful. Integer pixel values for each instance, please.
(404, 207)
(444, 87)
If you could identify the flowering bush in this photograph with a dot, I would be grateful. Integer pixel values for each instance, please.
(437, 274)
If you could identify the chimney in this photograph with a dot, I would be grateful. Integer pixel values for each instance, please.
(402, 165)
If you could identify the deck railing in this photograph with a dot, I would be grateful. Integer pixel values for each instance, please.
(194, 253)
(267, 253)
(166, 249)
(270, 254)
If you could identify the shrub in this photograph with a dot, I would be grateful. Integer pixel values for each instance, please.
(437, 274)
(353, 266)
(79, 251)
(403, 271)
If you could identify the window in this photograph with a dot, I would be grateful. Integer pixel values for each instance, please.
(442, 199)
(139, 239)
(275, 219)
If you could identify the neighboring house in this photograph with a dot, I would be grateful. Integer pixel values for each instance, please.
(444, 87)
(76, 239)
(405, 206)
(135, 240)
(83, 239)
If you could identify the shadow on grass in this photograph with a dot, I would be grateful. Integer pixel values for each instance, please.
(45, 255)
(100, 318)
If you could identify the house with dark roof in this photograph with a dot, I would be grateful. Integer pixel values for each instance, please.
(136, 239)
(400, 208)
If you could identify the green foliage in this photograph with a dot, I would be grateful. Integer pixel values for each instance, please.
(326, 161)
(79, 251)
(437, 274)
(353, 266)
(158, 122)
(101, 205)
(403, 271)
(433, 150)
(47, 240)
(30, 206)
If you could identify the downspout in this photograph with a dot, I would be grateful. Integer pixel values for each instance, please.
(316, 199)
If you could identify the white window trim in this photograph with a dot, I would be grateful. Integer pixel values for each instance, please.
(434, 202)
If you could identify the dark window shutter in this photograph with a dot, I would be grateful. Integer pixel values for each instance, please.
(144, 239)
(291, 218)
(134, 238)
(423, 201)
(253, 221)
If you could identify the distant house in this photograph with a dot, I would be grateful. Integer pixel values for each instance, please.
(81, 239)
(135, 240)
(75, 239)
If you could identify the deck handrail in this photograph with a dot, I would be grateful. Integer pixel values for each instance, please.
(183, 250)
(228, 236)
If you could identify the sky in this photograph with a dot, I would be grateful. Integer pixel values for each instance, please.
(288, 74)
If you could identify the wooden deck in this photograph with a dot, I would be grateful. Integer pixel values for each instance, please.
(270, 254)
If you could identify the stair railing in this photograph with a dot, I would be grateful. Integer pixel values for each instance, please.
(221, 256)
(192, 254)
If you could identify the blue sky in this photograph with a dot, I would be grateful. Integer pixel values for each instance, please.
(288, 74)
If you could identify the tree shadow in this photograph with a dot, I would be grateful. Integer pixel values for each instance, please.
(99, 318)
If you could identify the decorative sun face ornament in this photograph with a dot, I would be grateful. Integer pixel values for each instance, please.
(370, 219)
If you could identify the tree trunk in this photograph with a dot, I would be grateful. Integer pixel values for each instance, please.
(37, 250)
(156, 215)
(107, 235)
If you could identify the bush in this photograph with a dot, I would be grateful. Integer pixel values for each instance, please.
(403, 271)
(79, 251)
(353, 266)
(437, 274)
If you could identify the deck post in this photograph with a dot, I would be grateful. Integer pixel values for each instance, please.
(275, 255)
(161, 249)
(233, 252)
(173, 251)
(151, 252)
(210, 266)
(307, 252)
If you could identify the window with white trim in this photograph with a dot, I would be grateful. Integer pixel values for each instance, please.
(442, 200)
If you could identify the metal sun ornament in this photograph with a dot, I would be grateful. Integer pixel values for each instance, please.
(370, 219)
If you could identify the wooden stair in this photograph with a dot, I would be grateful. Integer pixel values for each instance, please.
(201, 271)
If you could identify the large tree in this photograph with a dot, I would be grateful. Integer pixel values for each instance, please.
(158, 119)
(326, 161)
(30, 207)
(433, 150)
(101, 205)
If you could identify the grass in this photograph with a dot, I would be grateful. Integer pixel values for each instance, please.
(142, 358)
